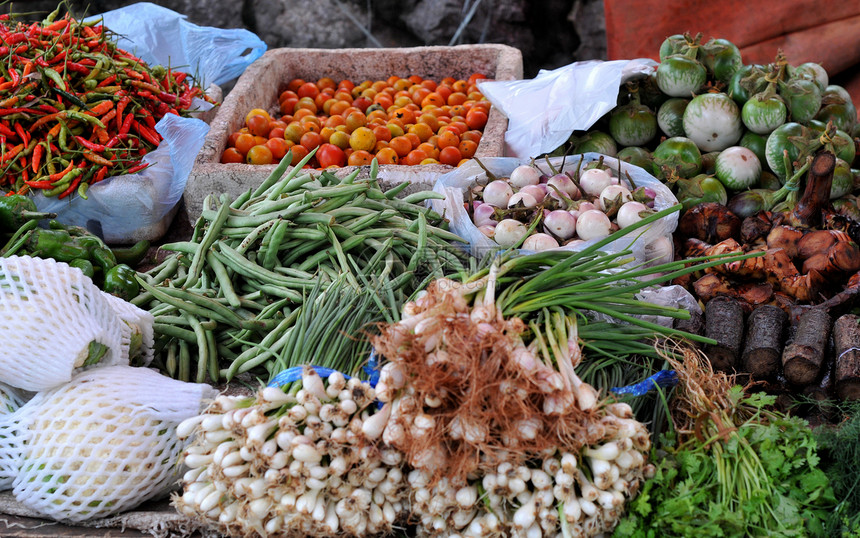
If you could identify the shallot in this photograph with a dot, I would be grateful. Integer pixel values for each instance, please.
(540, 241)
(525, 175)
(594, 180)
(593, 224)
(509, 232)
(497, 193)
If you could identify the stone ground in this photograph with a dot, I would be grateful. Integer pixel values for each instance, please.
(550, 33)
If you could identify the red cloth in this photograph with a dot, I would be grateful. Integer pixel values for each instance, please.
(806, 31)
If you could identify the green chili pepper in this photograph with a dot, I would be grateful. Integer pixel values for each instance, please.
(133, 254)
(54, 76)
(16, 210)
(56, 244)
(120, 281)
(84, 265)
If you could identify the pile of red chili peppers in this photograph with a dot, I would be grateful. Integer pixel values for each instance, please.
(74, 108)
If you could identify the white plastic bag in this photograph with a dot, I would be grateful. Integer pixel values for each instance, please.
(455, 184)
(131, 207)
(159, 35)
(128, 208)
(101, 444)
(543, 112)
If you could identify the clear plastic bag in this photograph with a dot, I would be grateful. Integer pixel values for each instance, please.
(128, 208)
(456, 183)
(543, 112)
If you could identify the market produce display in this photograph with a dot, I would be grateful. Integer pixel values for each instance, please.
(233, 289)
(408, 121)
(653, 332)
(565, 209)
(76, 109)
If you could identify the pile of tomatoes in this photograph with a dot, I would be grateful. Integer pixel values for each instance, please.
(398, 121)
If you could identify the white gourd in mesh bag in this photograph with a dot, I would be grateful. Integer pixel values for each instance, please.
(53, 320)
(101, 444)
(138, 335)
(10, 401)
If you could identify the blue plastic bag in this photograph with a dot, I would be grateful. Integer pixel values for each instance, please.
(125, 209)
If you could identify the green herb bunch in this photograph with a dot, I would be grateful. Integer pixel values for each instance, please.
(736, 469)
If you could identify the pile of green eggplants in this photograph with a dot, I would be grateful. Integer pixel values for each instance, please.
(21, 234)
(718, 130)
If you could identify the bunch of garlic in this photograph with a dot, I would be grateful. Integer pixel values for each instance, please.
(302, 464)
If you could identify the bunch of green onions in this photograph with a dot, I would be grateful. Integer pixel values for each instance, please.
(598, 291)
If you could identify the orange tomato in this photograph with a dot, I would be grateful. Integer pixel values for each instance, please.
(467, 148)
(450, 156)
(401, 145)
(310, 140)
(476, 118)
(447, 138)
(278, 147)
(244, 142)
(259, 154)
(308, 89)
(387, 156)
(359, 157)
(259, 125)
(232, 155)
(414, 157)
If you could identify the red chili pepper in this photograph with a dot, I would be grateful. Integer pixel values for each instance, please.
(126, 124)
(58, 58)
(25, 136)
(44, 184)
(11, 153)
(100, 175)
(89, 62)
(106, 82)
(72, 187)
(8, 111)
(77, 68)
(57, 25)
(41, 62)
(14, 77)
(145, 133)
(59, 175)
(5, 130)
(116, 139)
(120, 107)
(48, 108)
(89, 145)
(37, 157)
(28, 68)
(15, 38)
(137, 168)
(132, 73)
(147, 118)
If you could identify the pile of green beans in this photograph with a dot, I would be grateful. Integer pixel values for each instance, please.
(232, 292)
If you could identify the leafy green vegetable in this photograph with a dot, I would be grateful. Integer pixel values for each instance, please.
(839, 447)
(761, 478)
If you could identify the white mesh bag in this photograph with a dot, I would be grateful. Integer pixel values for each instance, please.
(138, 335)
(101, 444)
(53, 319)
(10, 401)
